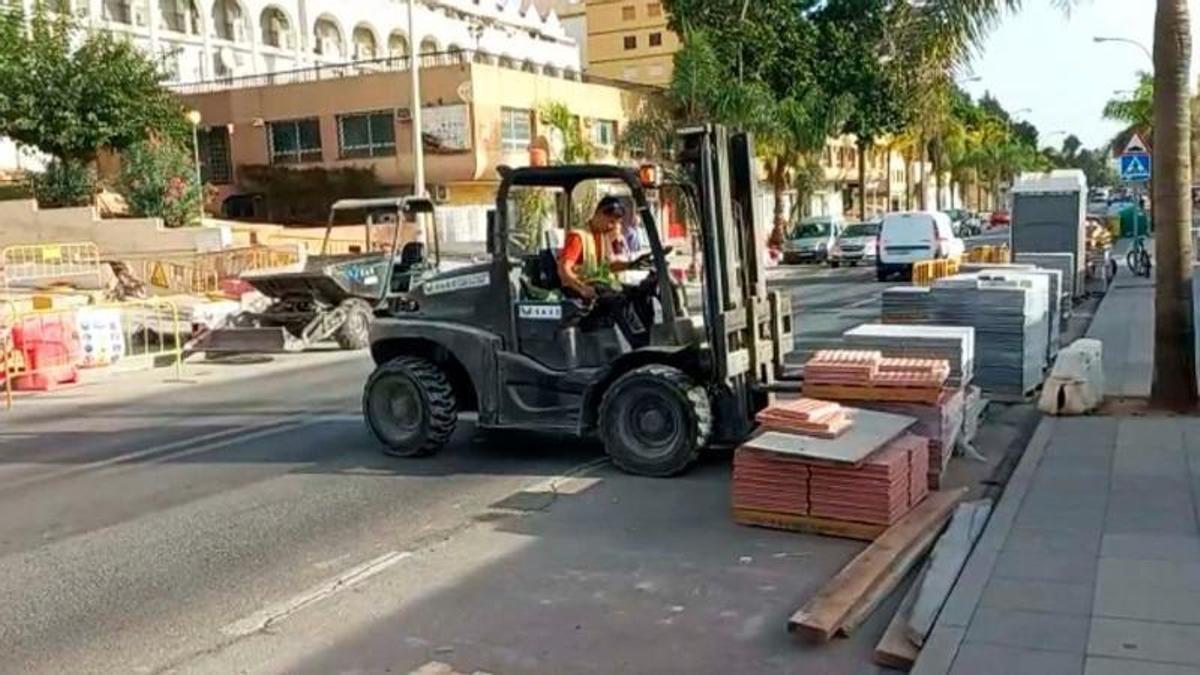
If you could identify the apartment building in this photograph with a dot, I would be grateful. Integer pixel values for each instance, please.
(629, 40)
(478, 112)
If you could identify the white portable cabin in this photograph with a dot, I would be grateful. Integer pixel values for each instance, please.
(1049, 215)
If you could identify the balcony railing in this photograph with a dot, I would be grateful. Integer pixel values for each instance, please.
(389, 64)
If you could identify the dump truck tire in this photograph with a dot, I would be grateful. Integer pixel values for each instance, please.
(409, 406)
(355, 333)
(654, 421)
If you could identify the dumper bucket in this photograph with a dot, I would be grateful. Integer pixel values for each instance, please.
(269, 340)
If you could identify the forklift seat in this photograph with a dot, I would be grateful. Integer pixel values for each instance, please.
(411, 256)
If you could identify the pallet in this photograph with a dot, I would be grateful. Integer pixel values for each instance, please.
(854, 591)
(844, 392)
(831, 527)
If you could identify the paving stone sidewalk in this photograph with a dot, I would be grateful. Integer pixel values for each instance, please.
(1091, 561)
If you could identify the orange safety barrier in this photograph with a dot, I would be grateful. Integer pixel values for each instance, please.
(46, 348)
(926, 271)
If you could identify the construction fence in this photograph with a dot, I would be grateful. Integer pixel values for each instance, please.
(40, 265)
(203, 273)
(44, 349)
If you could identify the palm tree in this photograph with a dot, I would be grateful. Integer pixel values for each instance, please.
(958, 26)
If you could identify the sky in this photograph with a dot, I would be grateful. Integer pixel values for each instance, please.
(1044, 59)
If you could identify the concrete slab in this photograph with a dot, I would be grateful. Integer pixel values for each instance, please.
(982, 659)
(869, 432)
(1099, 665)
(1145, 640)
(1054, 597)
(1031, 630)
(1141, 546)
(1042, 566)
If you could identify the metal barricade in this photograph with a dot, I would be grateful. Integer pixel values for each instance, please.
(202, 273)
(925, 272)
(45, 348)
(30, 265)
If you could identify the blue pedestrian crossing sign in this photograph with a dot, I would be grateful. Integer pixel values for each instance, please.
(1135, 167)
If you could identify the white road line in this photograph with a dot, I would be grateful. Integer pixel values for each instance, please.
(185, 447)
(864, 302)
(261, 620)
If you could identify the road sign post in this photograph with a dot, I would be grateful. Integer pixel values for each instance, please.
(1136, 167)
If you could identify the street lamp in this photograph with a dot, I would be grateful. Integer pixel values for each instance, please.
(1101, 39)
(418, 143)
(194, 118)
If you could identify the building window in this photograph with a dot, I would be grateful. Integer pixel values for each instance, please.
(628, 13)
(656, 39)
(630, 42)
(366, 135)
(216, 165)
(516, 129)
(654, 9)
(295, 141)
(604, 133)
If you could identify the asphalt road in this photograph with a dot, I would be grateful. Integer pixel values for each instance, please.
(149, 526)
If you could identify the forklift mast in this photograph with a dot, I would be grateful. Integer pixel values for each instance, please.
(749, 329)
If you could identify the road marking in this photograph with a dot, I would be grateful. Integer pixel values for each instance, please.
(185, 447)
(355, 575)
(864, 302)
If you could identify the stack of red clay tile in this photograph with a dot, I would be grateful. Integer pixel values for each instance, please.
(881, 490)
(807, 416)
(940, 423)
(765, 481)
(861, 375)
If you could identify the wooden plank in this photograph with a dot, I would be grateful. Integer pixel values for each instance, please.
(825, 613)
(808, 524)
(895, 574)
(846, 392)
(894, 649)
(947, 560)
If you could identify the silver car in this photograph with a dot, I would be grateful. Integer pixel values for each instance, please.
(857, 243)
(811, 239)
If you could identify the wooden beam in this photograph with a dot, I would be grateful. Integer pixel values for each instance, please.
(822, 616)
(894, 649)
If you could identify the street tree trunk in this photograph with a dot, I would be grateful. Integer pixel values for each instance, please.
(936, 158)
(908, 181)
(1174, 356)
(887, 180)
(923, 195)
(862, 180)
(778, 176)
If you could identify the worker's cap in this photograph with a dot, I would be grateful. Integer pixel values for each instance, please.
(611, 206)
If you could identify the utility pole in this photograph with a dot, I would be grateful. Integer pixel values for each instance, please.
(418, 143)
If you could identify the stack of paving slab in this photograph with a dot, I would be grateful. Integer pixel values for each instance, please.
(939, 425)
(1055, 301)
(907, 305)
(866, 375)
(953, 344)
(1064, 263)
(802, 473)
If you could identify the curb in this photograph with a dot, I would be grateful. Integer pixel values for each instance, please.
(937, 656)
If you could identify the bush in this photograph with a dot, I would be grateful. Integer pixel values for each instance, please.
(158, 180)
(303, 196)
(66, 183)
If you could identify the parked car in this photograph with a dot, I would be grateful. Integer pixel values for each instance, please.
(858, 242)
(999, 219)
(811, 239)
(909, 237)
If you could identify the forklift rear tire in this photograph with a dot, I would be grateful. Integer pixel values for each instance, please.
(654, 421)
(410, 407)
(355, 333)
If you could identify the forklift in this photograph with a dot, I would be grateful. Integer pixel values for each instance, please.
(498, 338)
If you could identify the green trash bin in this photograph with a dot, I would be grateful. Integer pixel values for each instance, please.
(1134, 222)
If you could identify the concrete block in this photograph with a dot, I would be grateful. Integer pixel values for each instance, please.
(982, 659)
(1038, 596)
(1145, 640)
(1031, 630)
(937, 656)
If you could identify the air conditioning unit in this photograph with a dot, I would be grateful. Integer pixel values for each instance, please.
(403, 115)
(441, 193)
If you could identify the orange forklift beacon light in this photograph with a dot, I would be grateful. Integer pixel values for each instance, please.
(648, 174)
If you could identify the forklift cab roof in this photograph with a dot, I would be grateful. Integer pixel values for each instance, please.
(567, 177)
(403, 204)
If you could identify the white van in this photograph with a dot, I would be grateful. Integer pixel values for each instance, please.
(908, 237)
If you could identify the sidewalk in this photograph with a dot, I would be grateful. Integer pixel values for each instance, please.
(1091, 561)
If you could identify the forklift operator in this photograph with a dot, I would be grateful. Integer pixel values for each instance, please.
(587, 260)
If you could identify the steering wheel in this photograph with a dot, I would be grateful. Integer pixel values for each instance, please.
(644, 260)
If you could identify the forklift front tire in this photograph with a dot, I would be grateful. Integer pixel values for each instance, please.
(409, 406)
(654, 421)
(355, 331)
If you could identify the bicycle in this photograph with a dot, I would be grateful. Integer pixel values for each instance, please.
(1138, 258)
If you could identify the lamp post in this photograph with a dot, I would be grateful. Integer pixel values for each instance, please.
(418, 142)
(193, 117)
(1101, 39)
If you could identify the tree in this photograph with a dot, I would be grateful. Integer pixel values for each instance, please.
(1174, 382)
(158, 180)
(575, 150)
(71, 99)
(1137, 111)
(855, 61)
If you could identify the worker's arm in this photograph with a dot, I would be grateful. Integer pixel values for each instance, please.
(571, 253)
